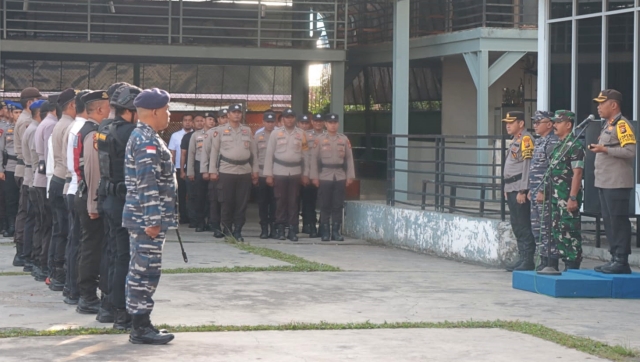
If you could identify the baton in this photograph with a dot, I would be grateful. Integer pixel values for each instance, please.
(184, 254)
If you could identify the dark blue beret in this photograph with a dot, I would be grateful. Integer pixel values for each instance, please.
(38, 104)
(152, 99)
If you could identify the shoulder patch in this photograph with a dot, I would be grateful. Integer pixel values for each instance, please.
(625, 134)
(527, 147)
(215, 133)
(95, 141)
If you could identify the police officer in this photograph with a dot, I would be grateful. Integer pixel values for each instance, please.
(516, 189)
(310, 192)
(11, 189)
(86, 163)
(212, 191)
(194, 173)
(332, 171)
(540, 215)
(285, 168)
(234, 149)
(4, 127)
(614, 178)
(266, 200)
(149, 211)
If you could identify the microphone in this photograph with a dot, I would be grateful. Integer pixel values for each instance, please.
(586, 121)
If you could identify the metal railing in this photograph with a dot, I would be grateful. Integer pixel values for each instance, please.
(369, 154)
(259, 23)
(443, 173)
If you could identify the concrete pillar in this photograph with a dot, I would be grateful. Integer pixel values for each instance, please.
(300, 87)
(337, 91)
(482, 105)
(543, 58)
(400, 98)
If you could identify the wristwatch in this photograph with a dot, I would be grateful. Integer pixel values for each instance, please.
(573, 198)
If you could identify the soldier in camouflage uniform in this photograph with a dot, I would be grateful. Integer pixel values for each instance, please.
(540, 221)
(149, 211)
(567, 164)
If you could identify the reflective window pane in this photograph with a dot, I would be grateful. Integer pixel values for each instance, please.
(561, 9)
(589, 6)
(560, 65)
(620, 62)
(589, 66)
(620, 4)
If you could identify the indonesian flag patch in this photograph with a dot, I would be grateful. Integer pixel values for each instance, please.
(151, 149)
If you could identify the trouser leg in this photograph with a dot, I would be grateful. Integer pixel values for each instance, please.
(119, 241)
(309, 197)
(293, 199)
(44, 208)
(242, 193)
(191, 202)
(520, 217)
(32, 227)
(615, 205)
(200, 195)
(90, 250)
(263, 201)
(280, 185)
(214, 205)
(12, 200)
(21, 215)
(60, 223)
(324, 195)
(73, 245)
(226, 192)
(144, 272)
(337, 200)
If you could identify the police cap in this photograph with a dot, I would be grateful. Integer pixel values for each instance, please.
(210, 114)
(223, 113)
(235, 108)
(514, 116)
(288, 112)
(318, 117)
(98, 95)
(608, 94)
(331, 117)
(303, 118)
(269, 117)
(152, 99)
(66, 96)
(29, 93)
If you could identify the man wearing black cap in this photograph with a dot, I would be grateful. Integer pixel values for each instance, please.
(516, 189)
(234, 145)
(86, 164)
(200, 186)
(614, 178)
(266, 200)
(214, 204)
(7, 168)
(285, 168)
(310, 192)
(4, 127)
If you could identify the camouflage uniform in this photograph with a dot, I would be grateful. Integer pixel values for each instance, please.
(566, 240)
(151, 195)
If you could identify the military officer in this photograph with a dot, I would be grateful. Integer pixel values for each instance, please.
(540, 215)
(285, 168)
(516, 189)
(214, 204)
(87, 167)
(310, 192)
(194, 171)
(614, 178)
(233, 146)
(332, 171)
(149, 211)
(266, 200)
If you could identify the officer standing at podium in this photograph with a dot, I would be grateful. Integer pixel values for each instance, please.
(516, 188)
(615, 152)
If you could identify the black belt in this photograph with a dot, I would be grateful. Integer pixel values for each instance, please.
(287, 164)
(333, 165)
(27, 166)
(57, 179)
(235, 162)
(13, 157)
(612, 145)
(68, 180)
(113, 188)
(20, 162)
(513, 179)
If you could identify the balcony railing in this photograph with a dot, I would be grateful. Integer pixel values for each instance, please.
(255, 23)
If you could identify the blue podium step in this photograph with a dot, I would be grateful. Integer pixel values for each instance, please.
(624, 286)
(567, 285)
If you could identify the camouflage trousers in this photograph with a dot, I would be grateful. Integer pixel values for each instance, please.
(541, 225)
(566, 241)
(145, 268)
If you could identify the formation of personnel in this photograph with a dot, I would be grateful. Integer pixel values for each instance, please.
(553, 164)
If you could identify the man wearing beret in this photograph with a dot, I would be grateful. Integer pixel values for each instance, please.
(149, 212)
(86, 161)
(614, 178)
(516, 188)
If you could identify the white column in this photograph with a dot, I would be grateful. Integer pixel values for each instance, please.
(337, 91)
(400, 109)
(543, 57)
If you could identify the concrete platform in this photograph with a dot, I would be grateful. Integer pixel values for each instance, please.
(566, 285)
(443, 345)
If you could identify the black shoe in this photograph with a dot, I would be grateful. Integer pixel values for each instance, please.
(568, 264)
(292, 233)
(42, 275)
(105, 316)
(527, 263)
(35, 270)
(619, 266)
(306, 228)
(551, 268)
(543, 263)
(272, 231)
(122, 320)
(56, 286)
(516, 264)
(599, 267)
(201, 228)
(264, 231)
(217, 231)
(143, 332)
(91, 306)
(11, 229)
(325, 232)
(280, 232)
(28, 266)
(313, 231)
(65, 292)
(237, 233)
(71, 300)
(335, 232)
(18, 260)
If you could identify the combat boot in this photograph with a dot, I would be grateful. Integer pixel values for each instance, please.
(571, 264)
(325, 230)
(551, 268)
(142, 332)
(18, 260)
(105, 315)
(122, 320)
(599, 267)
(3, 226)
(42, 275)
(71, 299)
(28, 266)
(237, 233)
(264, 233)
(527, 263)
(88, 305)
(280, 232)
(543, 263)
(517, 263)
(57, 282)
(313, 231)
(292, 233)
(619, 266)
(335, 232)
(217, 231)
(306, 228)
(11, 229)
(272, 231)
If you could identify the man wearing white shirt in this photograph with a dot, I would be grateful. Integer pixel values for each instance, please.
(174, 147)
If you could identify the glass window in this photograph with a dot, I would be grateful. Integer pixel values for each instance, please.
(589, 66)
(561, 9)
(620, 58)
(619, 4)
(589, 6)
(560, 66)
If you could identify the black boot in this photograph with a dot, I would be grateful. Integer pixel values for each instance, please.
(142, 332)
(217, 231)
(105, 315)
(543, 263)
(619, 266)
(569, 264)
(200, 227)
(122, 320)
(57, 282)
(292, 233)
(325, 232)
(515, 264)
(313, 231)
(264, 234)
(599, 267)
(527, 263)
(18, 260)
(71, 299)
(42, 275)
(272, 231)
(237, 233)
(28, 266)
(11, 229)
(306, 228)
(551, 268)
(335, 232)
(280, 232)
(88, 305)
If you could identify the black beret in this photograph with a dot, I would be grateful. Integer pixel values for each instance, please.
(98, 95)
(152, 99)
(66, 96)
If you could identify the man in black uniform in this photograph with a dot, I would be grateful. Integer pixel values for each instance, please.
(112, 142)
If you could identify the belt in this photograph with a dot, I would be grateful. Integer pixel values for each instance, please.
(333, 165)
(20, 162)
(68, 180)
(112, 188)
(612, 144)
(235, 162)
(287, 164)
(513, 179)
(13, 157)
(27, 166)
(57, 179)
